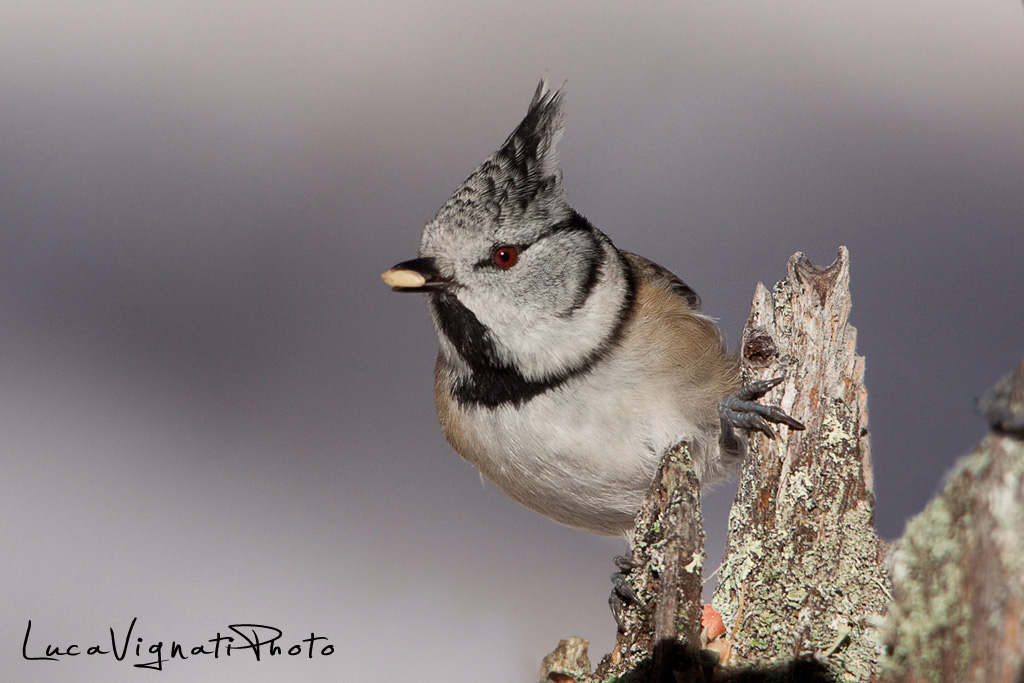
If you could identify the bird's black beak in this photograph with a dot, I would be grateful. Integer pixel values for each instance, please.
(417, 275)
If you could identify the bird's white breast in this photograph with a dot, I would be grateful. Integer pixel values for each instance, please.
(578, 453)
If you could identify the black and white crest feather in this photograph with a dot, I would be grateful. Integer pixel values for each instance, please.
(529, 156)
(522, 177)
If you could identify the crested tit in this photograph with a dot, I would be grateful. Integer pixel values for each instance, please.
(568, 366)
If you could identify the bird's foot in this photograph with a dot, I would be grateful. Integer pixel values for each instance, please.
(622, 593)
(742, 410)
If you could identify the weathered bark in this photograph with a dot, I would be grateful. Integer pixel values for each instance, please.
(804, 588)
(958, 612)
(804, 570)
(567, 663)
(662, 634)
(668, 549)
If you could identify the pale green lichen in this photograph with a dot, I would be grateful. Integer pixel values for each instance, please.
(926, 567)
(695, 563)
(835, 427)
(829, 595)
(667, 545)
(977, 519)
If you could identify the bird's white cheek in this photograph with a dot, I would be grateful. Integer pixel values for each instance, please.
(538, 338)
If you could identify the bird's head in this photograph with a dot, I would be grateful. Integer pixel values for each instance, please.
(516, 278)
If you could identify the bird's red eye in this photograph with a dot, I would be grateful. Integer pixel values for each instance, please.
(505, 257)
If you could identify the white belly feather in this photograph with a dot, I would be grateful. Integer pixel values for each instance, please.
(586, 461)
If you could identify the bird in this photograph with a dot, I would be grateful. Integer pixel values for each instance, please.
(568, 366)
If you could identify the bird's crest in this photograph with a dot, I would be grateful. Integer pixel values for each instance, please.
(532, 149)
(522, 176)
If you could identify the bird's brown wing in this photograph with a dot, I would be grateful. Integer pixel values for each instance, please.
(651, 271)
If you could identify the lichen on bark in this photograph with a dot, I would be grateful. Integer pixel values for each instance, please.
(804, 572)
(668, 550)
(958, 609)
(804, 587)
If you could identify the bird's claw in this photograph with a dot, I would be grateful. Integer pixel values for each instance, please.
(742, 410)
(622, 593)
(756, 390)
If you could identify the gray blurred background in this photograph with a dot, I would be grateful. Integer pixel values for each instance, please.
(214, 412)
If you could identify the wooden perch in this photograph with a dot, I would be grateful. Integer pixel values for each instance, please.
(661, 635)
(958, 613)
(804, 588)
(804, 573)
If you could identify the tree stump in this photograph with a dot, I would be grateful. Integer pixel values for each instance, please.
(804, 573)
(804, 588)
(958, 613)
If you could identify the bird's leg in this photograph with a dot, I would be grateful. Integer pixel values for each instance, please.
(622, 593)
(742, 410)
